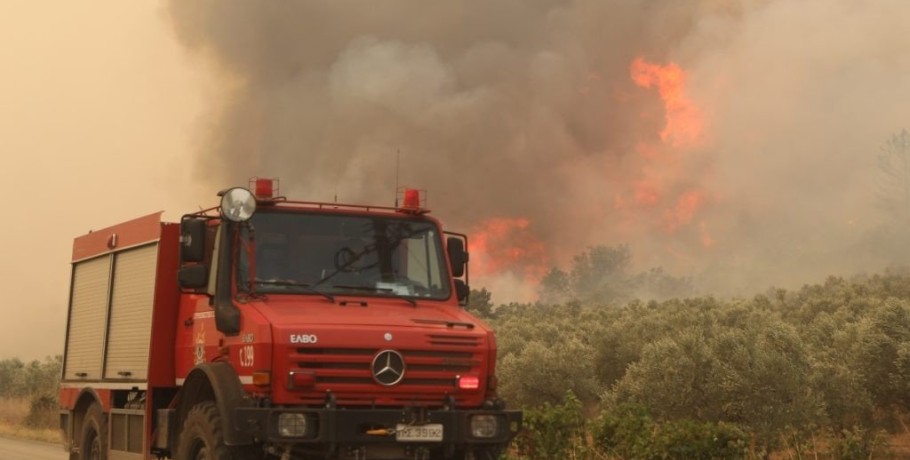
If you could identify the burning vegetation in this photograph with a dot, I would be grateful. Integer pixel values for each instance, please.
(501, 244)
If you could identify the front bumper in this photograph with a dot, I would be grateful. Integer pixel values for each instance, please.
(363, 427)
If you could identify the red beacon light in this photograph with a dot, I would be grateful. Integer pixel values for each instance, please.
(412, 201)
(264, 188)
(411, 198)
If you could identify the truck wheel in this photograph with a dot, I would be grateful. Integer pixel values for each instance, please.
(93, 440)
(201, 437)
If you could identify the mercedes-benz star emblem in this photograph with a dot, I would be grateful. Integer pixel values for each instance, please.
(388, 367)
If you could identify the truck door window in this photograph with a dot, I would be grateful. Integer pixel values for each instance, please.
(422, 263)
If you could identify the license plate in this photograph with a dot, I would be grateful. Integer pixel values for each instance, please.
(426, 433)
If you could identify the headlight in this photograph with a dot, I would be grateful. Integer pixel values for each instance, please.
(238, 204)
(484, 426)
(292, 425)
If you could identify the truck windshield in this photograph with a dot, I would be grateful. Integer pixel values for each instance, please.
(308, 253)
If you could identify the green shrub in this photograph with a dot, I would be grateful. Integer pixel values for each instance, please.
(42, 412)
(689, 439)
(858, 444)
(553, 432)
(630, 432)
(624, 432)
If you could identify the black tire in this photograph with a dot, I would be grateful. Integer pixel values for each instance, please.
(202, 437)
(93, 439)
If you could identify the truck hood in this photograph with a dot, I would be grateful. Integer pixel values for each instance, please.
(310, 310)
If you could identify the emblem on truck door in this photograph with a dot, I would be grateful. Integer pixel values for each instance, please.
(388, 367)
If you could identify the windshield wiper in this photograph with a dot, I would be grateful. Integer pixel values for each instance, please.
(306, 287)
(389, 291)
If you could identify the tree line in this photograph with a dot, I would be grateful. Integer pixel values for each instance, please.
(35, 385)
(821, 368)
(19, 379)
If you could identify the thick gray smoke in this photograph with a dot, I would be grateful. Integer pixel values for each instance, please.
(525, 109)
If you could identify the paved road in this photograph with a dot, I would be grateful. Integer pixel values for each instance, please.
(14, 449)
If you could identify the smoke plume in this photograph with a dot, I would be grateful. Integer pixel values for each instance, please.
(557, 115)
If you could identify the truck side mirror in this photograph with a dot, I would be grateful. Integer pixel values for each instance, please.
(192, 239)
(461, 292)
(457, 255)
(193, 276)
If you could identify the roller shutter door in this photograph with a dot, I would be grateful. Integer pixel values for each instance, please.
(132, 298)
(88, 312)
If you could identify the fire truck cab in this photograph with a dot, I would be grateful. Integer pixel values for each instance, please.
(272, 328)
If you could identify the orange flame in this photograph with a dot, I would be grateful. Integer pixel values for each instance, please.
(687, 206)
(504, 244)
(684, 125)
(661, 196)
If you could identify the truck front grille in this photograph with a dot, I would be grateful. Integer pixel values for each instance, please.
(430, 371)
(423, 367)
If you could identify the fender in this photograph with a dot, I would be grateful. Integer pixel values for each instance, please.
(216, 382)
(73, 413)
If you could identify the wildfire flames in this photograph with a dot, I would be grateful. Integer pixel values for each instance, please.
(660, 186)
(501, 245)
(684, 125)
(660, 197)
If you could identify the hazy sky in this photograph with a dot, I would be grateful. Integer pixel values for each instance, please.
(97, 111)
(515, 114)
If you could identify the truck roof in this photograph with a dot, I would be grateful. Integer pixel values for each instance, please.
(134, 232)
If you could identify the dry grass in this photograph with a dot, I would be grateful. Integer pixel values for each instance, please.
(12, 422)
(13, 411)
(900, 445)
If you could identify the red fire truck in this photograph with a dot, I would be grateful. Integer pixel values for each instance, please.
(273, 328)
